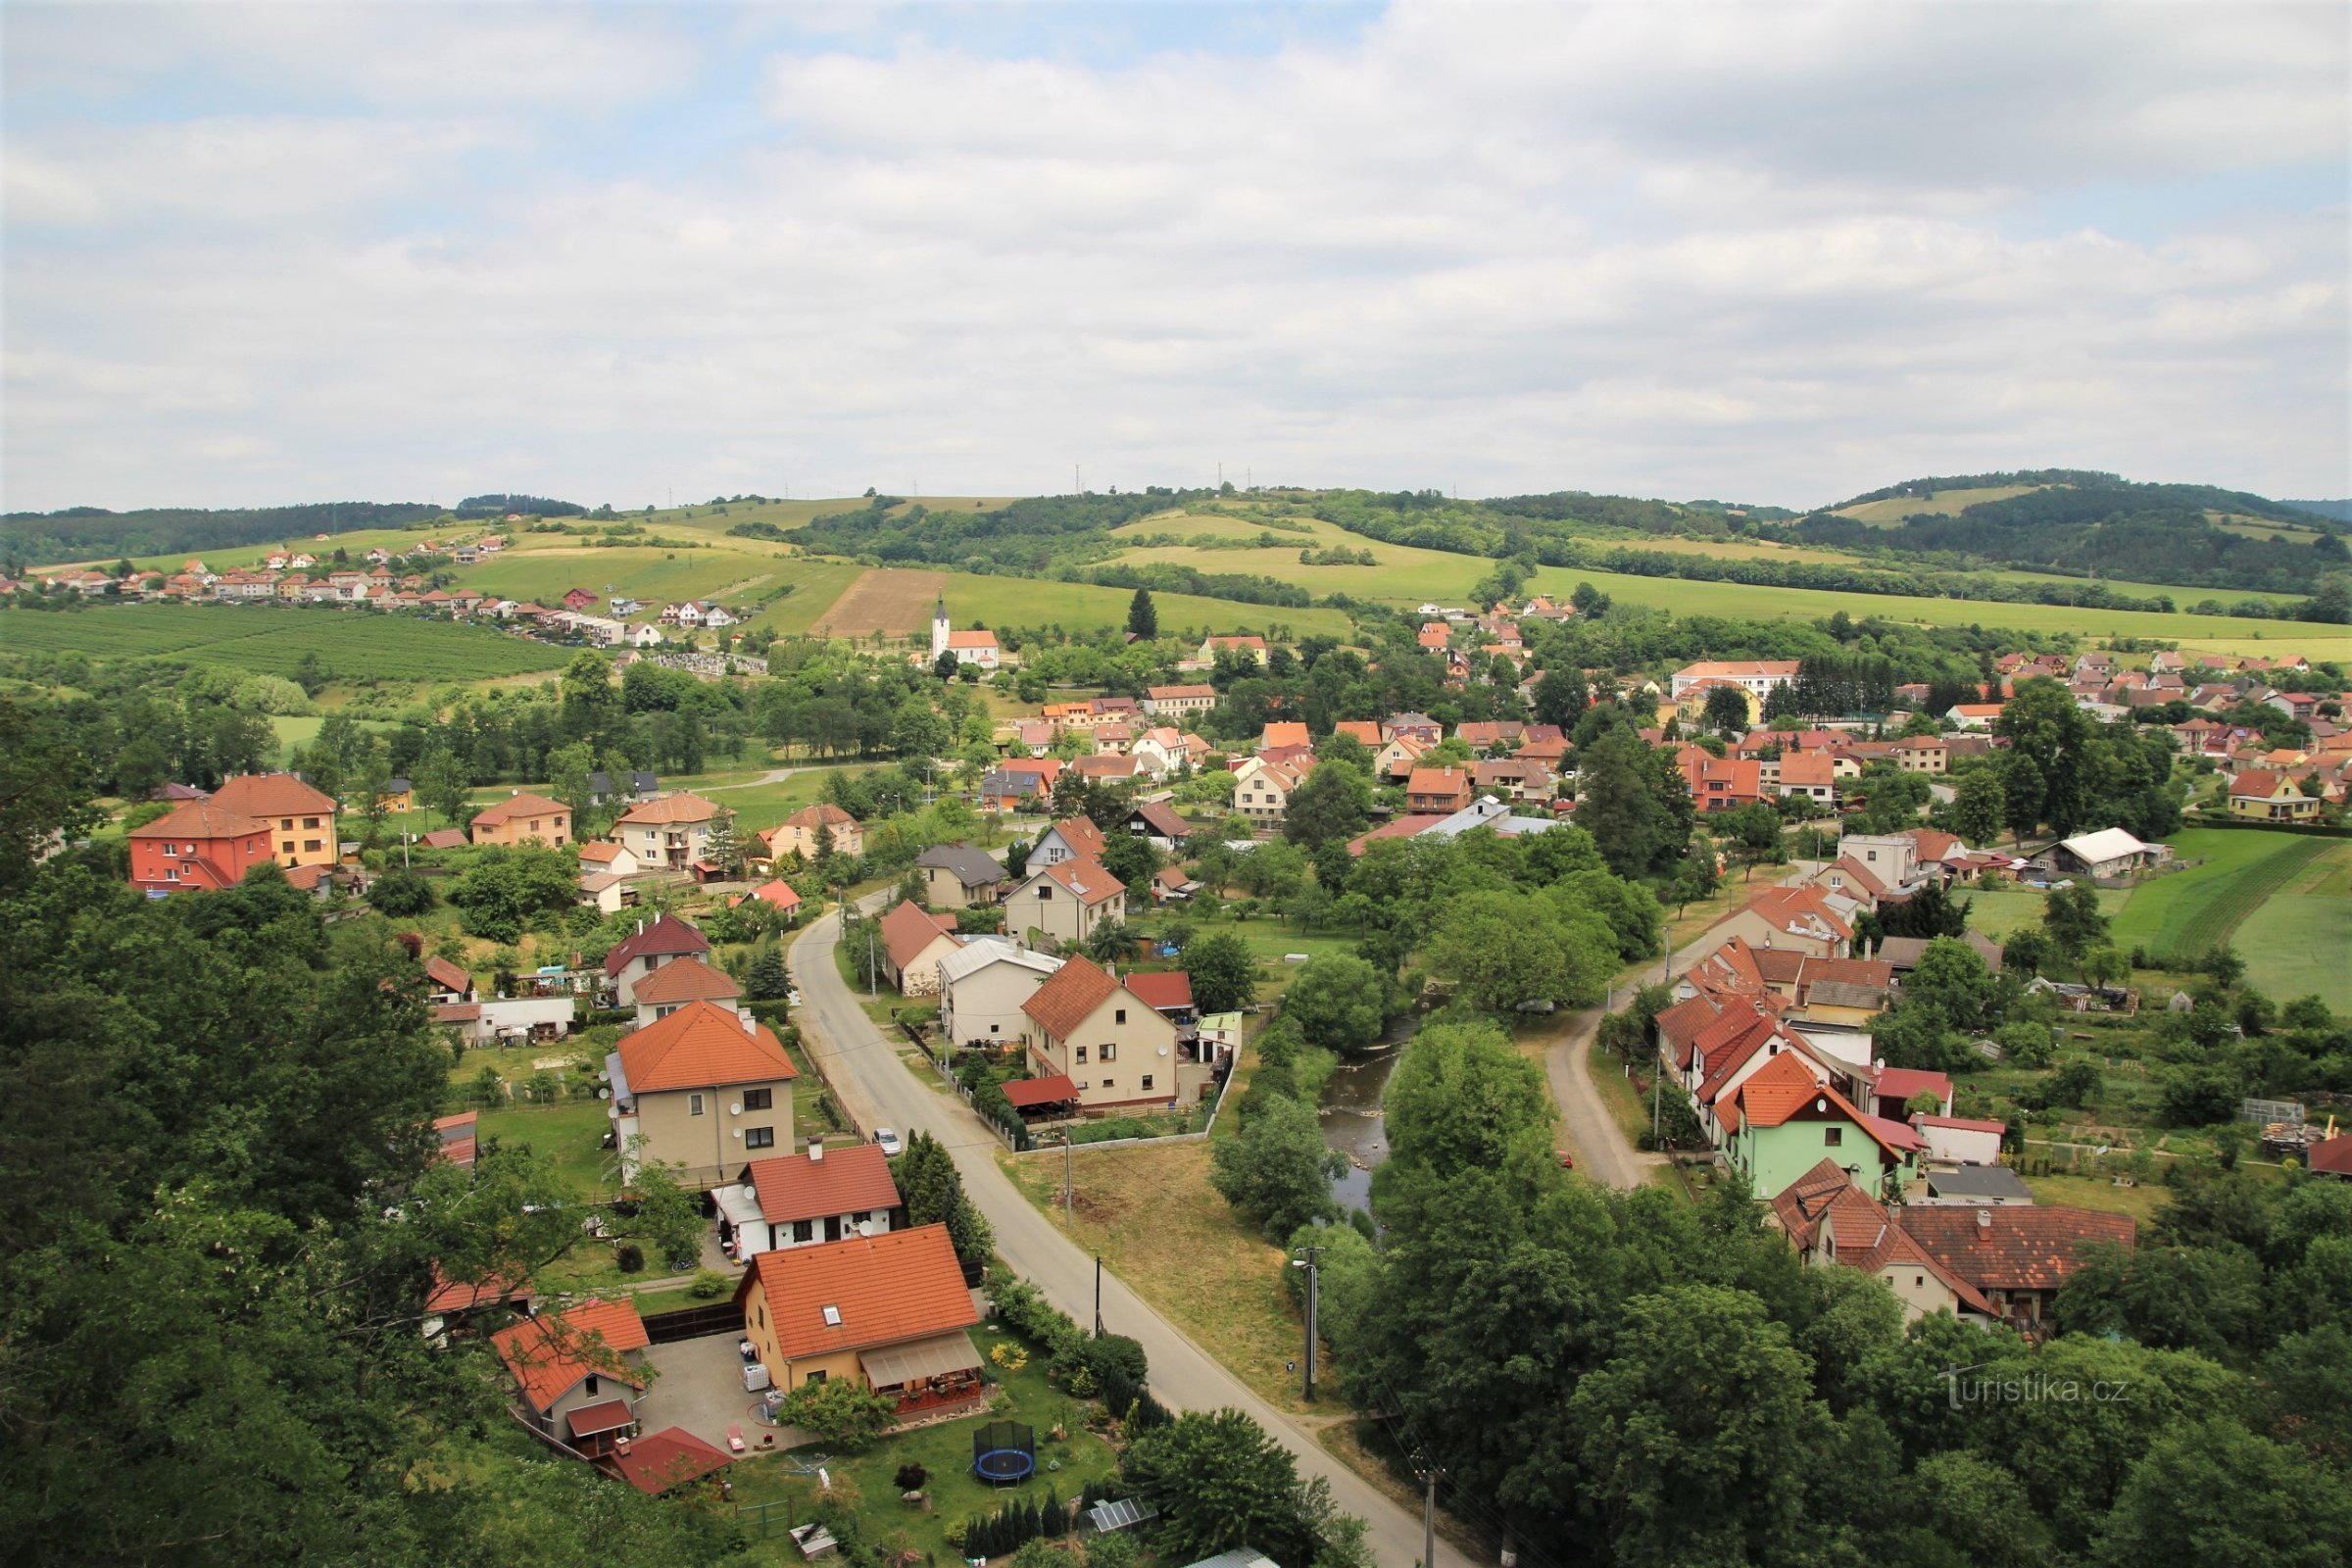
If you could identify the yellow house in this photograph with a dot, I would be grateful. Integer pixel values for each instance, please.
(524, 819)
(1692, 705)
(887, 1312)
(2266, 797)
(301, 820)
(398, 796)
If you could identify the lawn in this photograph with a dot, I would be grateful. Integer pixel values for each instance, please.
(2098, 1192)
(900, 600)
(2000, 915)
(273, 640)
(2295, 941)
(1151, 1214)
(567, 1132)
(2200, 909)
(945, 1451)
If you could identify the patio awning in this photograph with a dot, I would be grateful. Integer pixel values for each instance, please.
(591, 1419)
(896, 1366)
(1052, 1091)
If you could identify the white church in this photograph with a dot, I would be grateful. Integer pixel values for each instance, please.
(968, 647)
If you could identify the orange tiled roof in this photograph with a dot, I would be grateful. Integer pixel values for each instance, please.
(846, 1181)
(523, 805)
(824, 813)
(1284, 732)
(201, 819)
(687, 979)
(907, 929)
(902, 1285)
(1162, 989)
(273, 795)
(683, 807)
(700, 1046)
(1087, 881)
(1069, 995)
(546, 1354)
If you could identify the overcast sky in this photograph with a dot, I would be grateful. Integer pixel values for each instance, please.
(269, 254)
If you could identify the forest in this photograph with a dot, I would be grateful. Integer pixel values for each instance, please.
(87, 533)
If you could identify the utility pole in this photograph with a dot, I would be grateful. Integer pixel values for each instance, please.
(1315, 1282)
(1068, 1197)
(1098, 1295)
(1427, 1474)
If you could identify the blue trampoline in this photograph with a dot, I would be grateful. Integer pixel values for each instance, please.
(1004, 1453)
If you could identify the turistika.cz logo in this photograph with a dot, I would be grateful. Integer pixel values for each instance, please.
(2033, 1387)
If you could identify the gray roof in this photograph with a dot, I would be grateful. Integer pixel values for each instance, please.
(1238, 1557)
(972, 868)
(1488, 812)
(1978, 1181)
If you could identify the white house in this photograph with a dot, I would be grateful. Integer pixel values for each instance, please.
(1756, 676)
(982, 986)
(809, 1198)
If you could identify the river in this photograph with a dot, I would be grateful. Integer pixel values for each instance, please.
(1350, 1109)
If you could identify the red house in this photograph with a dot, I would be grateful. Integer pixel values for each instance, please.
(201, 845)
(578, 598)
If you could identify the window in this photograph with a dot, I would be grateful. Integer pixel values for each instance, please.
(1832, 1137)
(1111, 1052)
(804, 1230)
(759, 1138)
(758, 1098)
(1146, 1079)
(1119, 1016)
(816, 1376)
(996, 1028)
(832, 1316)
(694, 1104)
(309, 821)
(1111, 1083)
(1081, 1056)
(310, 844)
(287, 847)
(1044, 890)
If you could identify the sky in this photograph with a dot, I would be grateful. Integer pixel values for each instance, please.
(1773, 253)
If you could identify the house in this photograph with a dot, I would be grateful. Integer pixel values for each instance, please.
(1831, 1221)
(1972, 716)
(2263, 796)
(1972, 1142)
(301, 820)
(1073, 838)
(446, 981)
(1438, 791)
(1399, 755)
(957, 876)
(969, 647)
(1175, 701)
(1924, 754)
(1892, 857)
(669, 833)
(1903, 953)
(672, 986)
(1118, 1051)
(1758, 678)
(1159, 751)
(443, 838)
(1008, 791)
(1851, 879)
(808, 832)
(1782, 1122)
(1170, 992)
(2018, 1258)
(524, 819)
(667, 940)
(1434, 636)
(983, 985)
(1261, 790)
(2110, 852)
(1721, 783)
(777, 894)
(1791, 917)
(618, 858)
(810, 1198)
(398, 795)
(1158, 822)
(1170, 884)
(1893, 1089)
(201, 845)
(914, 941)
(705, 1087)
(580, 1371)
(1286, 732)
(1064, 901)
(887, 1312)
(608, 891)
(578, 598)
(1513, 778)
(1808, 775)
(1248, 647)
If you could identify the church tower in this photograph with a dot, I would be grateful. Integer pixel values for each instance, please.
(939, 629)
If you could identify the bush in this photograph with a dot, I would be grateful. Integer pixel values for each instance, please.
(911, 1477)
(629, 1258)
(1119, 1368)
(839, 1412)
(709, 1285)
(401, 895)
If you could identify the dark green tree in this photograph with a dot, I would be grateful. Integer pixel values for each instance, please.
(1224, 973)
(1142, 618)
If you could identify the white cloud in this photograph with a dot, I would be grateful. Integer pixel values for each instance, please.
(1760, 252)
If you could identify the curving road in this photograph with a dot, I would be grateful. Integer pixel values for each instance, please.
(877, 1090)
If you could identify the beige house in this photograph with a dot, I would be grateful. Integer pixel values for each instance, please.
(799, 832)
(957, 876)
(524, 819)
(1177, 701)
(888, 1312)
(983, 985)
(1115, 1048)
(1063, 903)
(914, 941)
(671, 832)
(618, 859)
(706, 1088)
(1247, 646)
(666, 939)
(301, 818)
(674, 985)
(1261, 790)
(1924, 754)
(1797, 918)
(581, 1370)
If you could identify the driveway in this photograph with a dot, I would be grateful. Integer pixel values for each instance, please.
(877, 1090)
(701, 1389)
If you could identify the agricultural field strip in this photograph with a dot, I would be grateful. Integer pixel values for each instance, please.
(2238, 897)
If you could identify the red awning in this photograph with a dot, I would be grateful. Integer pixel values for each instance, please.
(609, 1416)
(1040, 1091)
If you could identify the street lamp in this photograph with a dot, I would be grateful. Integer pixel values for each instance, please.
(1315, 1280)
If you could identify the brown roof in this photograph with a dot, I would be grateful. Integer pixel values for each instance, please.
(700, 1046)
(667, 935)
(665, 1460)
(846, 1181)
(1087, 881)
(1162, 989)
(520, 803)
(907, 929)
(1069, 997)
(1022, 1093)
(1163, 820)
(902, 1285)
(547, 1354)
(2013, 1246)
(824, 813)
(201, 819)
(273, 795)
(443, 838)
(687, 979)
(683, 807)
(597, 851)
(446, 976)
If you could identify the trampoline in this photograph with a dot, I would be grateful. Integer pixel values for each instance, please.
(1004, 1453)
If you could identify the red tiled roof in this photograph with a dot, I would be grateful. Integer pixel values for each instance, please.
(1162, 989)
(902, 1285)
(524, 805)
(273, 795)
(443, 838)
(1027, 1092)
(2014, 1246)
(846, 1181)
(1964, 1125)
(1780, 1089)
(683, 807)
(907, 929)
(599, 853)
(2333, 1156)
(1080, 834)
(548, 1353)
(1363, 729)
(1447, 781)
(667, 936)
(594, 1420)
(701, 1045)
(686, 979)
(1284, 732)
(778, 892)
(1901, 1083)
(446, 976)
(665, 1460)
(824, 813)
(1087, 881)
(201, 819)
(1069, 995)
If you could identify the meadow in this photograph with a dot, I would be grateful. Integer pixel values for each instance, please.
(271, 641)
(1891, 511)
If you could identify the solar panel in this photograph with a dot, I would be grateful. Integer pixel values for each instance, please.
(1119, 1513)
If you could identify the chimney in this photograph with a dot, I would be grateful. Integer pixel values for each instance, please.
(1984, 1224)
(816, 1149)
(751, 1025)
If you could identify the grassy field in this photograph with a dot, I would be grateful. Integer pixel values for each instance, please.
(1152, 1216)
(1997, 915)
(272, 641)
(2200, 909)
(1891, 512)
(2098, 1192)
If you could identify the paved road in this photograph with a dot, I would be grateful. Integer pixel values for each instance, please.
(878, 1090)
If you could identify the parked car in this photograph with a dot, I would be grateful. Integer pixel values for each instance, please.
(888, 1140)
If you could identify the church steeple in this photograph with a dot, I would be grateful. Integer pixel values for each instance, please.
(939, 627)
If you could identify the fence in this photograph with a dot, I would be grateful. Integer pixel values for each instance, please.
(694, 1323)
